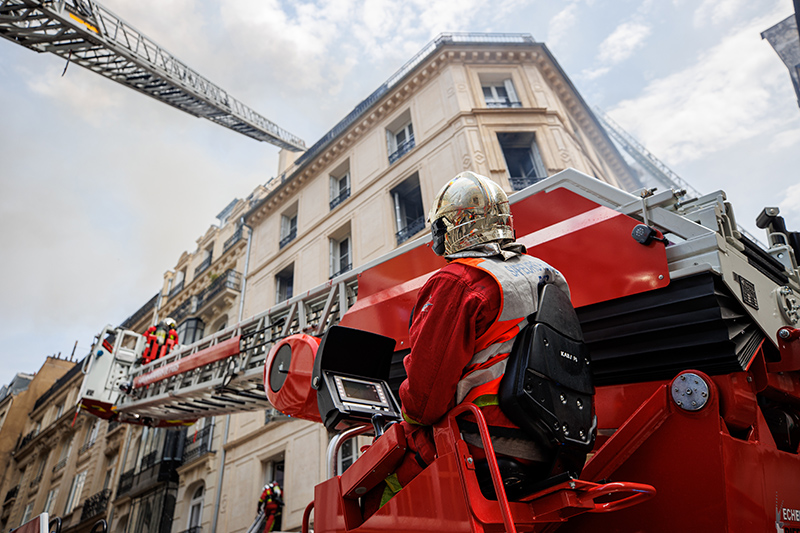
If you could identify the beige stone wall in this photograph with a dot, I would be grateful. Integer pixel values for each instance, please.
(66, 447)
(454, 130)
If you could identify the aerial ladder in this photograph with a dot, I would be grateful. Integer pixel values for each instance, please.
(88, 34)
(692, 333)
(652, 165)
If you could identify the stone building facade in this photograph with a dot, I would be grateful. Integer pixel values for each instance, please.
(16, 402)
(66, 462)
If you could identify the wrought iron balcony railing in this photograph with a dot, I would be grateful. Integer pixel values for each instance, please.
(125, 483)
(85, 447)
(520, 183)
(95, 504)
(230, 279)
(402, 149)
(236, 237)
(36, 480)
(344, 269)
(344, 195)
(60, 465)
(197, 445)
(11, 494)
(503, 103)
(148, 460)
(288, 238)
(410, 230)
(202, 267)
(27, 438)
(175, 290)
(193, 529)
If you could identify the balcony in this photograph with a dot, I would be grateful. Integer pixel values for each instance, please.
(27, 438)
(125, 483)
(193, 529)
(60, 465)
(198, 445)
(236, 237)
(85, 447)
(288, 238)
(11, 494)
(502, 103)
(410, 230)
(175, 290)
(520, 183)
(225, 284)
(344, 195)
(202, 267)
(95, 504)
(36, 480)
(402, 149)
(344, 269)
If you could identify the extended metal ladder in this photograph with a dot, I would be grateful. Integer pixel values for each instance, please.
(88, 34)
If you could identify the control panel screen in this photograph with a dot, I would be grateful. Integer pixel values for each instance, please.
(360, 390)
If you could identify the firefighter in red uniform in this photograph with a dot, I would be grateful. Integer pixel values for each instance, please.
(464, 324)
(171, 338)
(270, 503)
(160, 340)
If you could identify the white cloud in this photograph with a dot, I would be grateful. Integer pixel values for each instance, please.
(785, 139)
(622, 42)
(791, 201)
(724, 97)
(561, 24)
(716, 12)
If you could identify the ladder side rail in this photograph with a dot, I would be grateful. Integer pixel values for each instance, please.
(101, 29)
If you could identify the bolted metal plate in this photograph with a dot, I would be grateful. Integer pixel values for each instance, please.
(689, 391)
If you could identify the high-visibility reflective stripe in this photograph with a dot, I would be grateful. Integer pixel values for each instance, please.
(480, 377)
(519, 279)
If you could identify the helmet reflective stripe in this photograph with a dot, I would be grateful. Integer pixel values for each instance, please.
(473, 210)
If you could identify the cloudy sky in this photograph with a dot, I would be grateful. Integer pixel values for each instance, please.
(102, 189)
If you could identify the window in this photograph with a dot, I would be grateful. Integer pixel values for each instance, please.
(178, 282)
(499, 92)
(273, 470)
(59, 411)
(525, 166)
(208, 257)
(196, 509)
(27, 514)
(75, 492)
(288, 226)
(340, 188)
(51, 500)
(348, 454)
(400, 136)
(91, 434)
(109, 477)
(408, 210)
(191, 330)
(340, 256)
(66, 447)
(284, 284)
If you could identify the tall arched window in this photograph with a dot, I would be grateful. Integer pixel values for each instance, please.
(196, 510)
